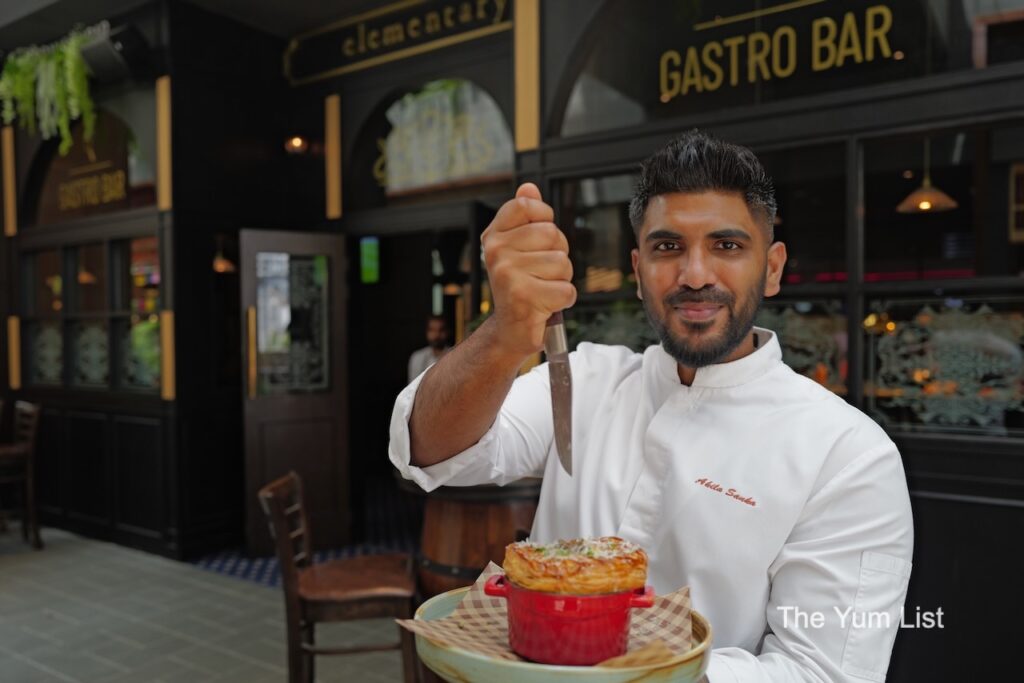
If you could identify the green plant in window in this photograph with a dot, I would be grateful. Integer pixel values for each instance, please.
(49, 87)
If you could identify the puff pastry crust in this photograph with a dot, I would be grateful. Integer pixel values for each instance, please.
(581, 566)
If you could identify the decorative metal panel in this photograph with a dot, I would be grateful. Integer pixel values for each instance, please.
(46, 354)
(91, 354)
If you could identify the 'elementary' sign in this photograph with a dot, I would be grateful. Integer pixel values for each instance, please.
(401, 30)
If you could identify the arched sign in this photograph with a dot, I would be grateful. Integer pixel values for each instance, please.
(93, 178)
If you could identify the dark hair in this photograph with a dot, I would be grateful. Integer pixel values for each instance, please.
(698, 162)
(432, 318)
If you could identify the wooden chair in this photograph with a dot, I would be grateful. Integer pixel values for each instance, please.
(17, 466)
(339, 590)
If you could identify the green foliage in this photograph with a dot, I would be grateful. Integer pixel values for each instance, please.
(49, 87)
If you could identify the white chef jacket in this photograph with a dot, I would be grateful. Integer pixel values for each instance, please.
(421, 360)
(758, 488)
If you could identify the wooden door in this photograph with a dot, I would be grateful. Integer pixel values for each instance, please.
(296, 384)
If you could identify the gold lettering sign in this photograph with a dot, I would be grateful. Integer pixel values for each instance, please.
(92, 190)
(749, 58)
(394, 32)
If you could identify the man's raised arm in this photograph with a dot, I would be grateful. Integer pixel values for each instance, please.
(530, 274)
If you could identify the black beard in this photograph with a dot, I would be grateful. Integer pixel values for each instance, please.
(738, 324)
(438, 345)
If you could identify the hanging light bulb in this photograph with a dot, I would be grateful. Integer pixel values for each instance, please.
(296, 144)
(220, 263)
(927, 198)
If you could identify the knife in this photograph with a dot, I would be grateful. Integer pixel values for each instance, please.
(556, 348)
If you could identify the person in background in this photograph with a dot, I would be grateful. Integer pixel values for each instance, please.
(437, 346)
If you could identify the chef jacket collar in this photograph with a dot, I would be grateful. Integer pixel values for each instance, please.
(764, 358)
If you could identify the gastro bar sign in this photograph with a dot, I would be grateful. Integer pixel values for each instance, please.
(748, 57)
(93, 178)
(97, 184)
(389, 33)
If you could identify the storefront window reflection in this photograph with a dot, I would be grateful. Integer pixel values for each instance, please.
(947, 364)
(103, 330)
(447, 138)
(940, 206)
(44, 303)
(140, 339)
(595, 217)
(810, 188)
(813, 336)
(90, 284)
(449, 131)
(292, 318)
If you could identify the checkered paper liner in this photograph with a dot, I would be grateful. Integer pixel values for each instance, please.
(480, 624)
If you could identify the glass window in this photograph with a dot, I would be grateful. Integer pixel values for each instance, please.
(650, 61)
(810, 189)
(43, 304)
(139, 335)
(621, 322)
(940, 206)
(450, 137)
(90, 285)
(292, 318)
(45, 286)
(813, 336)
(947, 364)
(595, 217)
(110, 326)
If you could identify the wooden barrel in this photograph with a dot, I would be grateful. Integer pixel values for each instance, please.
(464, 528)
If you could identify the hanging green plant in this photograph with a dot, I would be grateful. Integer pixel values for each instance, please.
(49, 87)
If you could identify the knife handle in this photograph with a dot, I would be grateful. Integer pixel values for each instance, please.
(555, 342)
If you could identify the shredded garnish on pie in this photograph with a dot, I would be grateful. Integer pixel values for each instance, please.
(581, 566)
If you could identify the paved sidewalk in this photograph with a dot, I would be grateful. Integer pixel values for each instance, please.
(92, 612)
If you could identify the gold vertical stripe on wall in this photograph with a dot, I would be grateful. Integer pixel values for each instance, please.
(10, 182)
(332, 154)
(527, 64)
(460, 319)
(14, 352)
(163, 143)
(168, 389)
(250, 351)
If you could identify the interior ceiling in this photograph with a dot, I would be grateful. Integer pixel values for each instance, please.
(24, 22)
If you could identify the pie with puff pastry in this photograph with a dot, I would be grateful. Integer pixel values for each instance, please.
(580, 566)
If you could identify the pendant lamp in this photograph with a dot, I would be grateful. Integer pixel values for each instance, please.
(220, 263)
(927, 198)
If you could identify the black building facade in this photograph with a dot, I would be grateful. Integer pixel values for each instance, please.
(414, 123)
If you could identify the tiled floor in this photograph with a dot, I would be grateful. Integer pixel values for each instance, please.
(82, 610)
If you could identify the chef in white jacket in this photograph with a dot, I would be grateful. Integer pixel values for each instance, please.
(782, 507)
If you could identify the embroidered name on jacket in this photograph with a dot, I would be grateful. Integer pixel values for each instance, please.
(731, 493)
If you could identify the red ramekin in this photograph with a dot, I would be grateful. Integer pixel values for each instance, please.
(574, 630)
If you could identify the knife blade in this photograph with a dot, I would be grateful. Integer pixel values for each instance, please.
(556, 348)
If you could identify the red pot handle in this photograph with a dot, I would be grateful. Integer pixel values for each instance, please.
(496, 586)
(642, 597)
